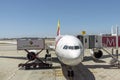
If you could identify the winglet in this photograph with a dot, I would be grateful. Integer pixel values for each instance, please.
(58, 28)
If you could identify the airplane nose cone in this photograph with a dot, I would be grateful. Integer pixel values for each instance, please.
(74, 58)
(75, 54)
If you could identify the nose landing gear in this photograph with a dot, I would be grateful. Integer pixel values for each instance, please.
(70, 73)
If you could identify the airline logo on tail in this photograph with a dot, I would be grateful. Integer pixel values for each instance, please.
(58, 28)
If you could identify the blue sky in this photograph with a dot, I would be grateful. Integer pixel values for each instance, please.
(38, 18)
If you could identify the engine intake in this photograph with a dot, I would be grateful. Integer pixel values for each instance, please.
(96, 54)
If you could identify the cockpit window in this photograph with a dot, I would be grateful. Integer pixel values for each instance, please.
(65, 47)
(77, 47)
(71, 47)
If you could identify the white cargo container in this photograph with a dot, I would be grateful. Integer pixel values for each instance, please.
(30, 44)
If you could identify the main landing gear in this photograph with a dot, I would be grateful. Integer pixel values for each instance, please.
(34, 62)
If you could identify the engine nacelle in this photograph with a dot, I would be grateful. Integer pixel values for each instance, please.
(96, 54)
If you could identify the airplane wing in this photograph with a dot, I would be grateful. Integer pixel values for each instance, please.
(50, 47)
(8, 42)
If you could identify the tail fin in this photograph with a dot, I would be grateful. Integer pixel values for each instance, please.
(58, 28)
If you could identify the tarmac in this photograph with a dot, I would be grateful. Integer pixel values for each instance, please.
(89, 69)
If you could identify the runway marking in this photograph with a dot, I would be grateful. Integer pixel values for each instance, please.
(13, 74)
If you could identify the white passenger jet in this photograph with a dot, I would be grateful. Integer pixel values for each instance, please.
(68, 48)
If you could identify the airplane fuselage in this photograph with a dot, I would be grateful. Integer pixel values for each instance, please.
(69, 50)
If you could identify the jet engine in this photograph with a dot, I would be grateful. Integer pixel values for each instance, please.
(96, 54)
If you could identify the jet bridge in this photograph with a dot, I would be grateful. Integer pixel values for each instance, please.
(91, 41)
(97, 43)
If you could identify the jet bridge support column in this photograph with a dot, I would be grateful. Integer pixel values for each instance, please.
(115, 61)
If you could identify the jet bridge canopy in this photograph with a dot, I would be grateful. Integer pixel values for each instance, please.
(97, 41)
(91, 41)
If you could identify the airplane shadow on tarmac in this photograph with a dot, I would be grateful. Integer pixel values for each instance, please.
(81, 72)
